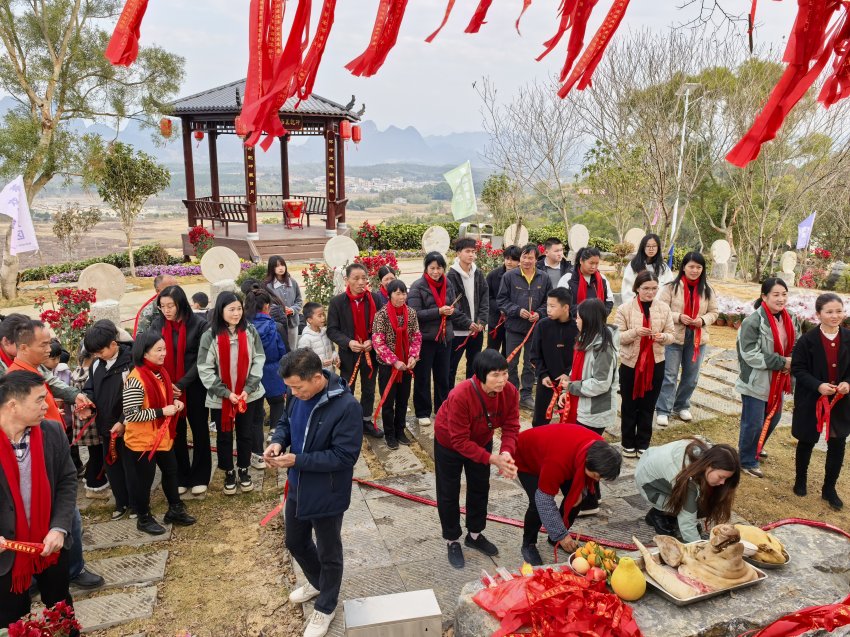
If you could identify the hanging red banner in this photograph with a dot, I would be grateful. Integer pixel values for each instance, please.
(123, 47)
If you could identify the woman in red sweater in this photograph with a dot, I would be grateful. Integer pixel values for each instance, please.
(463, 442)
(567, 458)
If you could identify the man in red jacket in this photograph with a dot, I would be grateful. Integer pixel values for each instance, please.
(463, 442)
(569, 458)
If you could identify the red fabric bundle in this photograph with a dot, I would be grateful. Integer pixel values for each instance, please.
(478, 17)
(560, 604)
(827, 617)
(384, 36)
(123, 47)
(645, 363)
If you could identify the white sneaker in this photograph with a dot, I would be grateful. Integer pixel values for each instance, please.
(181, 490)
(662, 420)
(102, 493)
(199, 489)
(423, 422)
(257, 461)
(686, 415)
(303, 594)
(319, 624)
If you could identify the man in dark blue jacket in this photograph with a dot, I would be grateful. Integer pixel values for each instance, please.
(322, 430)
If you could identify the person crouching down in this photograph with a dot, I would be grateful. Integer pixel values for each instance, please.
(569, 458)
(322, 430)
(463, 442)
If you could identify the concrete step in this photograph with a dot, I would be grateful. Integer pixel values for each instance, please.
(128, 570)
(395, 461)
(105, 611)
(720, 374)
(107, 535)
(716, 404)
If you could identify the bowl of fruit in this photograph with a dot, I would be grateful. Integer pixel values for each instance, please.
(593, 561)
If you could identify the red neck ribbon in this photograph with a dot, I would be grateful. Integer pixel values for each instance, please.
(175, 362)
(236, 385)
(582, 287)
(692, 310)
(398, 320)
(362, 321)
(7, 360)
(575, 375)
(646, 360)
(27, 565)
(779, 388)
(438, 289)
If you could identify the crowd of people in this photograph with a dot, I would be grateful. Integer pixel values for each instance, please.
(266, 358)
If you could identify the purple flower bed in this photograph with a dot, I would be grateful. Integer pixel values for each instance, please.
(145, 271)
(66, 277)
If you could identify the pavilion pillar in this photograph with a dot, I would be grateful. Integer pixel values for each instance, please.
(340, 189)
(214, 183)
(330, 177)
(189, 167)
(284, 165)
(251, 192)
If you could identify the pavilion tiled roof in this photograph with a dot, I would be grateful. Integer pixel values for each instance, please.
(222, 99)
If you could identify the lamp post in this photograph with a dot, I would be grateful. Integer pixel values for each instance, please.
(686, 90)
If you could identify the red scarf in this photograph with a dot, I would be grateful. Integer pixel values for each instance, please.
(362, 325)
(692, 310)
(7, 360)
(384, 293)
(582, 287)
(237, 385)
(438, 289)
(779, 386)
(175, 364)
(398, 320)
(159, 393)
(41, 499)
(575, 375)
(579, 483)
(645, 365)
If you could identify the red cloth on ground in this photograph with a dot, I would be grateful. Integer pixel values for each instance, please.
(461, 424)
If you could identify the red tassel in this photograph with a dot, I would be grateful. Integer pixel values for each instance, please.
(525, 5)
(478, 17)
(384, 37)
(551, 43)
(449, 8)
(123, 47)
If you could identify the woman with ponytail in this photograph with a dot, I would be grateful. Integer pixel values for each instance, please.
(181, 330)
(694, 307)
(230, 364)
(150, 415)
(765, 341)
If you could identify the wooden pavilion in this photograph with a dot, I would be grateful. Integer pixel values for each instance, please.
(212, 113)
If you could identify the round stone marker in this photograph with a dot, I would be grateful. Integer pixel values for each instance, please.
(220, 264)
(788, 261)
(436, 239)
(108, 280)
(340, 251)
(721, 251)
(634, 236)
(514, 238)
(578, 237)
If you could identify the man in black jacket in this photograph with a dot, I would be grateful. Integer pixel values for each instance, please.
(38, 489)
(319, 429)
(105, 387)
(552, 262)
(350, 317)
(496, 335)
(474, 305)
(522, 297)
(552, 351)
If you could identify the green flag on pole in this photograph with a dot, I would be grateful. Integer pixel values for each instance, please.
(463, 192)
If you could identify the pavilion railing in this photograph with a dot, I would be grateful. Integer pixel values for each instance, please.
(234, 208)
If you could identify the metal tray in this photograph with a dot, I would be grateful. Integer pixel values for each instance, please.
(699, 598)
(769, 565)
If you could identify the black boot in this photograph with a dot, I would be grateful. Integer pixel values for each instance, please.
(178, 515)
(148, 524)
(801, 459)
(662, 523)
(834, 460)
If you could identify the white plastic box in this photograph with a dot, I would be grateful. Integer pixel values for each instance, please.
(411, 614)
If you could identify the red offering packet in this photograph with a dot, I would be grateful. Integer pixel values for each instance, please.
(31, 548)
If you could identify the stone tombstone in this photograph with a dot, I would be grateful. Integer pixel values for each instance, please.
(634, 236)
(340, 251)
(110, 285)
(478, 231)
(515, 235)
(721, 254)
(220, 266)
(578, 237)
(436, 239)
(836, 271)
(787, 263)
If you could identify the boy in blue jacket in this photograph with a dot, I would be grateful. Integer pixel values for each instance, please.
(322, 430)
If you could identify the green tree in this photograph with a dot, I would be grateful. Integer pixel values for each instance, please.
(52, 64)
(500, 195)
(125, 181)
(71, 223)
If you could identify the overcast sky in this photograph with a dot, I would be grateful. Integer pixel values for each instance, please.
(428, 86)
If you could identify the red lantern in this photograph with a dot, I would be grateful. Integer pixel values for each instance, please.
(356, 134)
(345, 129)
(165, 127)
(199, 135)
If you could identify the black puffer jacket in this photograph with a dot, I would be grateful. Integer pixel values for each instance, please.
(105, 388)
(421, 300)
(195, 326)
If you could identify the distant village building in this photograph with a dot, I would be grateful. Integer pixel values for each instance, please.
(400, 201)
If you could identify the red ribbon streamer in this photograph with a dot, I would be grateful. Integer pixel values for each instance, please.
(160, 434)
(86, 425)
(394, 378)
(449, 8)
(556, 393)
(828, 617)
(384, 37)
(495, 330)
(123, 47)
(524, 341)
(776, 386)
(478, 17)
(823, 409)
(466, 340)
(112, 455)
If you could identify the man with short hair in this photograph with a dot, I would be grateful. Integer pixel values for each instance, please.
(321, 431)
(38, 488)
(559, 457)
(150, 309)
(495, 319)
(8, 350)
(522, 297)
(350, 317)
(553, 261)
(470, 319)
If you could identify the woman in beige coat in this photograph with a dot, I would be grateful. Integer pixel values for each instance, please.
(646, 326)
(694, 307)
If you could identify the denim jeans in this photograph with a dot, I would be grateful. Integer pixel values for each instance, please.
(76, 563)
(673, 399)
(753, 413)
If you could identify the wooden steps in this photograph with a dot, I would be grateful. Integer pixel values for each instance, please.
(304, 249)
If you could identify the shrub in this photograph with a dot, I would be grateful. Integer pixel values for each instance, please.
(374, 261)
(151, 254)
(367, 235)
(603, 244)
(408, 236)
(318, 283)
(201, 239)
(257, 272)
(72, 318)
